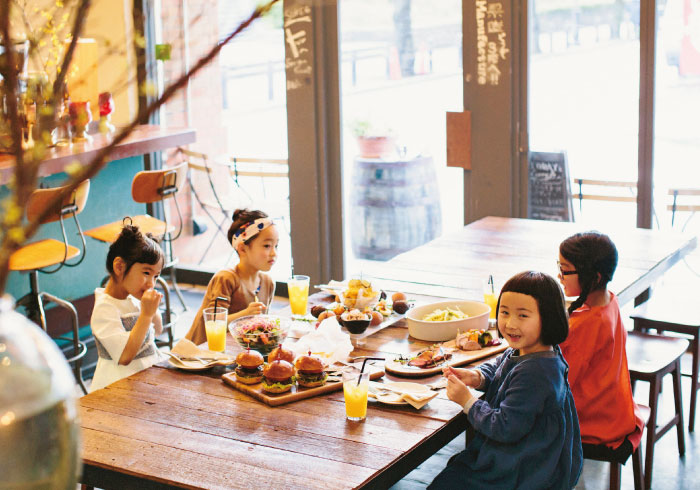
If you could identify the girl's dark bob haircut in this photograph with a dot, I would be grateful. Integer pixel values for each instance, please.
(133, 246)
(550, 303)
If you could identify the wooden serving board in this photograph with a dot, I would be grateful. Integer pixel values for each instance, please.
(459, 358)
(297, 393)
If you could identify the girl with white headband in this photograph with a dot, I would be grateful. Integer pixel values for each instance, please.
(244, 289)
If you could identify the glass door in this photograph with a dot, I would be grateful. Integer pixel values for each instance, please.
(677, 137)
(401, 70)
(237, 105)
(584, 100)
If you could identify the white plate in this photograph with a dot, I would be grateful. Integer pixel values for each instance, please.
(390, 398)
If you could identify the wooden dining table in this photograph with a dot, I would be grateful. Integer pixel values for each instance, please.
(456, 264)
(164, 428)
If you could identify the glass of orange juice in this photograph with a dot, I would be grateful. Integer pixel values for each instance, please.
(490, 296)
(215, 327)
(298, 289)
(355, 395)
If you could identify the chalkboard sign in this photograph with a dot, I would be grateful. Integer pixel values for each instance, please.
(549, 187)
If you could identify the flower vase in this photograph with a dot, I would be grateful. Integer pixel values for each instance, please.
(106, 105)
(80, 117)
(105, 125)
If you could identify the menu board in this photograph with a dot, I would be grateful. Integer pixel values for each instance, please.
(549, 187)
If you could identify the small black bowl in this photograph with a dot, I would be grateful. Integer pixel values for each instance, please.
(355, 326)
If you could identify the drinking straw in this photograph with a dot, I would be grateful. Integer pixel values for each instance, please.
(359, 377)
(490, 283)
(256, 293)
(217, 300)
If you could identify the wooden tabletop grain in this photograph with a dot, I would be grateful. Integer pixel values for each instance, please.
(455, 264)
(165, 428)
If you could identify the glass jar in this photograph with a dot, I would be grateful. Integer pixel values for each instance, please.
(39, 430)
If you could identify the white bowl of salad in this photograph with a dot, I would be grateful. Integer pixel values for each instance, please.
(259, 332)
(441, 321)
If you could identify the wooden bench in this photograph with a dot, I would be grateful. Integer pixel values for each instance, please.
(627, 191)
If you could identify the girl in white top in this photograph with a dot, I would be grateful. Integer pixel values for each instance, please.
(126, 308)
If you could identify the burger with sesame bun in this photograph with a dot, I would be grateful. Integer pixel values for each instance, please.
(282, 354)
(310, 371)
(278, 377)
(249, 369)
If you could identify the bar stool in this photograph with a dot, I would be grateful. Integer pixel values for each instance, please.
(149, 186)
(650, 358)
(600, 452)
(670, 318)
(36, 257)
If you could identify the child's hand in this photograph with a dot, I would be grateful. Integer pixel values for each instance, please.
(458, 391)
(255, 308)
(149, 303)
(467, 376)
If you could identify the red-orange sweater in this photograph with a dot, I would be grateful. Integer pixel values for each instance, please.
(599, 377)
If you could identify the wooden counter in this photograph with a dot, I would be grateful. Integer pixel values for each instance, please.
(144, 139)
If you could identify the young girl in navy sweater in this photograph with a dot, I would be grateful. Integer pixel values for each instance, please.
(526, 428)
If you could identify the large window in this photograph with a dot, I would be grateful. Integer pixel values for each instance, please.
(584, 97)
(677, 138)
(238, 107)
(401, 70)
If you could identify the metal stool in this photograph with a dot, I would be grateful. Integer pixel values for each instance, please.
(650, 358)
(670, 318)
(35, 257)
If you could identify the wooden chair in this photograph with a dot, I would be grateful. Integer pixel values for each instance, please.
(650, 358)
(665, 317)
(38, 256)
(616, 458)
(151, 186)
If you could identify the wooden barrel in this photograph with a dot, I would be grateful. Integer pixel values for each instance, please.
(395, 206)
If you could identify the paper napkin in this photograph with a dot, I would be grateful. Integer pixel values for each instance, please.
(186, 348)
(327, 342)
(416, 400)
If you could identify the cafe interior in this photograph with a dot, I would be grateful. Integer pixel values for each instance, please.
(407, 158)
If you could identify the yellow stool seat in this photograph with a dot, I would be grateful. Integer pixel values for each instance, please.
(41, 254)
(147, 224)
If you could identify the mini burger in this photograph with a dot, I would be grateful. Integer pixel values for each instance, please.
(310, 371)
(279, 353)
(278, 377)
(250, 367)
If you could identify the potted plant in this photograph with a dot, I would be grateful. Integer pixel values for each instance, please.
(373, 141)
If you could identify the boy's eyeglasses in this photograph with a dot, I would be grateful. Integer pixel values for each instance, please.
(563, 272)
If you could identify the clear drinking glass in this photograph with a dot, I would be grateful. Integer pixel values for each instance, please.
(215, 326)
(490, 296)
(355, 394)
(298, 289)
